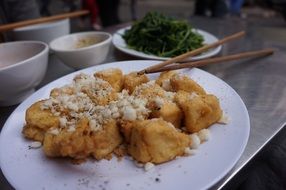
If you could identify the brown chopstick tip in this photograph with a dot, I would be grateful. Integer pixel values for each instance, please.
(142, 72)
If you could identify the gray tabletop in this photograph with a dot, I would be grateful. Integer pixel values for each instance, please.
(259, 82)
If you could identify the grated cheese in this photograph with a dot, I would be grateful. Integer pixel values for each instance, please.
(148, 166)
(158, 101)
(204, 135)
(35, 145)
(54, 131)
(224, 119)
(189, 151)
(79, 104)
(195, 141)
(129, 114)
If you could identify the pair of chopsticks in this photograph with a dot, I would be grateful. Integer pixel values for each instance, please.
(7, 27)
(163, 65)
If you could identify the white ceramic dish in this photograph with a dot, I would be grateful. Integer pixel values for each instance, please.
(120, 44)
(45, 32)
(78, 58)
(212, 161)
(23, 66)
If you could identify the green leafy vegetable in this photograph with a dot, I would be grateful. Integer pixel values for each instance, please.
(162, 36)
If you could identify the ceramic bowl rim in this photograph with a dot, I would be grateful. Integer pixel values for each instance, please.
(106, 41)
(41, 26)
(37, 55)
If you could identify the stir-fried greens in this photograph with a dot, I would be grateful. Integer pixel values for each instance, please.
(162, 36)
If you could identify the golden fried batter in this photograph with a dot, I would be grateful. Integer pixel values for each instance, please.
(149, 91)
(83, 142)
(34, 133)
(164, 80)
(156, 141)
(113, 76)
(170, 112)
(200, 112)
(98, 90)
(132, 80)
(38, 121)
(63, 90)
(186, 84)
(182, 96)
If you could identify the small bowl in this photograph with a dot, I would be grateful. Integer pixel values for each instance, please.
(23, 65)
(81, 50)
(45, 32)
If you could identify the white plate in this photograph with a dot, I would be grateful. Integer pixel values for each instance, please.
(120, 44)
(31, 169)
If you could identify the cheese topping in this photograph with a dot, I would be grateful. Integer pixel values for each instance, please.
(72, 107)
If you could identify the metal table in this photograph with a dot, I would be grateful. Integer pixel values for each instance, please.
(259, 82)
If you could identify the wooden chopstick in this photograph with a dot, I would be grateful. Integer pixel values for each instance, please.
(7, 27)
(192, 53)
(200, 63)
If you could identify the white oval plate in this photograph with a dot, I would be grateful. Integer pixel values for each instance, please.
(120, 44)
(31, 169)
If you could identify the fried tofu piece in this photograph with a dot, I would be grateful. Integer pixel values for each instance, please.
(113, 76)
(200, 112)
(132, 80)
(156, 141)
(168, 111)
(164, 80)
(98, 90)
(181, 97)
(149, 91)
(34, 133)
(38, 121)
(83, 142)
(69, 90)
(101, 97)
(186, 84)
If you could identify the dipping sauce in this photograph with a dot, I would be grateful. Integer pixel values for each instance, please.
(85, 42)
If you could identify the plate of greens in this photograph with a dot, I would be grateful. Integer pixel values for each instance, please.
(160, 37)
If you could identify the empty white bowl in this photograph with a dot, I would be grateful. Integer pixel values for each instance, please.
(45, 32)
(23, 65)
(81, 50)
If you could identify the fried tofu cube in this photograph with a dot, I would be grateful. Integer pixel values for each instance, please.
(168, 111)
(101, 97)
(186, 84)
(132, 80)
(106, 140)
(149, 91)
(98, 90)
(34, 133)
(164, 80)
(200, 112)
(68, 90)
(181, 97)
(113, 76)
(156, 141)
(83, 142)
(38, 121)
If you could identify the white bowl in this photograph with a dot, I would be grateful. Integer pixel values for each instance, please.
(45, 32)
(78, 58)
(23, 65)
